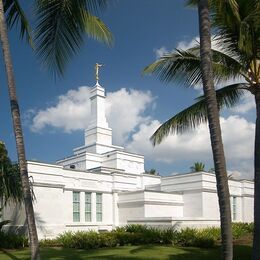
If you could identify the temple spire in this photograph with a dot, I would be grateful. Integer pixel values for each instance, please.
(98, 135)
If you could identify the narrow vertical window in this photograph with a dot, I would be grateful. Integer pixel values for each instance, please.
(99, 207)
(234, 208)
(87, 206)
(76, 206)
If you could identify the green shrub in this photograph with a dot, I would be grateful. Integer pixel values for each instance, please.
(108, 239)
(67, 239)
(150, 235)
(136, 228)
(240, 229)
(127, 238)
(168, 236)
(203, 241)
(9, 240)
(139, 234)
(194, 237)
(211, 232)
(49, 243)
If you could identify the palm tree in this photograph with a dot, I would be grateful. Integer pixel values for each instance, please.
(59, 34)
(236, 57)
(198, 167)
(166, 72)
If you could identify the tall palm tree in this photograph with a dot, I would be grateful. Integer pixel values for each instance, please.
(236, 56)
(59, 34)
(166, 72)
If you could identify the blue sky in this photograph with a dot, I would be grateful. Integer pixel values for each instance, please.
(141, 30)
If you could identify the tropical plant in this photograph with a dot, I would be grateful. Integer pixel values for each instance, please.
(152, 172)
(236, 56)
(60, 26)
(194, 66)
(10, 181)
(198, 167)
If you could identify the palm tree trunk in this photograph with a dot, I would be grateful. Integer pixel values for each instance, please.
(256, 241)
(215, 130)
(18, 137)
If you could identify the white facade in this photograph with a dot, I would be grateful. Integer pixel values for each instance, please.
(102, 186)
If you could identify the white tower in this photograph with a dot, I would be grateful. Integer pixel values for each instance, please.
(98, 135)
(99, 154)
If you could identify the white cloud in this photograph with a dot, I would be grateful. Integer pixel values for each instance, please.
(185, 45)
(160, 52)
(195, 145)
(132, 128)
(72, 112)
(246, 104)
(124, 109)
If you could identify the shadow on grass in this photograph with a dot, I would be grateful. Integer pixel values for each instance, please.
(9, 254)
(241, 252)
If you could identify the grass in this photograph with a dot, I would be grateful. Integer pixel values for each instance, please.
(241, 252)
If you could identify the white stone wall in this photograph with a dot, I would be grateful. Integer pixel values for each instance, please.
(138, 205)
(200, 196)
(192, 204)
(185, 200)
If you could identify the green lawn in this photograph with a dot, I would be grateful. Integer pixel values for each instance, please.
(130, 252)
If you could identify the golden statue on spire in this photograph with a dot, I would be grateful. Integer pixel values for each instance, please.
(97, 66)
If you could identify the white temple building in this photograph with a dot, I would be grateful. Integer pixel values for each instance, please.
(102, 186)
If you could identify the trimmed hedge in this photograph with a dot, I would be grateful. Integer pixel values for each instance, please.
(9, 240)
(141, 234)
(131, 235)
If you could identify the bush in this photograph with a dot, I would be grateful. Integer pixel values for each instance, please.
(240, 229)
(139, 234)
(127, 238)
(108, 239)
(80, 239)
(168, 236)
(194, 237)
(9, 240)
(211, 232)
(50, 243)
(66, 239)
(137, 228)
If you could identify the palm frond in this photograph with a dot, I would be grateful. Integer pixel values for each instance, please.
(15, 16)
(96, 29)
(196, 114)
(238, 33)
(60, 29)
(249, 40)
(183, 67)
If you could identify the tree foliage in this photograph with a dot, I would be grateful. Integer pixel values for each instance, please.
(198, 167)
(58, 27)
(10, 182)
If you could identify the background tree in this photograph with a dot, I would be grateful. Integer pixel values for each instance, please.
(60, 26)
(168, 69)
(10, 181)
(198, 167)
(152, 172)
